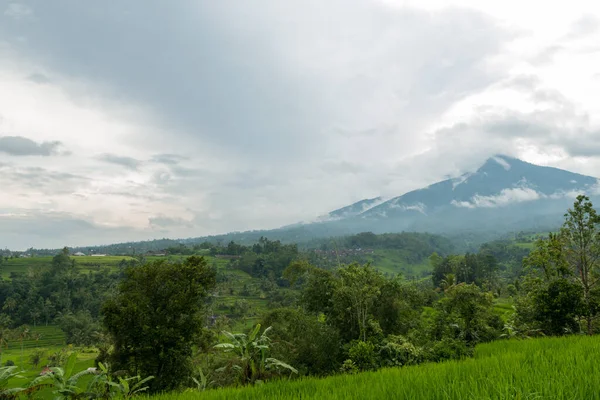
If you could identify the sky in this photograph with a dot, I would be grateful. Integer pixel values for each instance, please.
(141, 119)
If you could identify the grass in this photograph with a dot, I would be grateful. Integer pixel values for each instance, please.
(526, 245)
(48, 337)
(504, 307)
(392, 261)
(549, 368)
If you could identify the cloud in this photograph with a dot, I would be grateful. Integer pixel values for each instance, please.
(39, 78)
(502, 162)
(420, 207)
(39, 180)
(123, 161)
(263, 92)
(163, 221)
(504, 198)
(584, 26)
(266, 113)
(18, 11)
(21, 230)
(518, 195)
(169, 159)
(21, 146)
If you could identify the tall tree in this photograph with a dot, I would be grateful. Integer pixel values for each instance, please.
(581, 237)
(155, 317)
(359, 286)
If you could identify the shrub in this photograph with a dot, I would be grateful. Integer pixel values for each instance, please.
(363, 355)
(348, 367)
(397, 351)
(449, 349)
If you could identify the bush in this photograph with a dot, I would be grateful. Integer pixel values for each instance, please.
(449, 349)
(304, 341)
(362, 354)
(397, 351)
(36, 357)
(348, 367)
(9, 363)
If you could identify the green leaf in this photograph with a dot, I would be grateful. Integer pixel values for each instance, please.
(277, 363)
(68, 371)
(254, 332)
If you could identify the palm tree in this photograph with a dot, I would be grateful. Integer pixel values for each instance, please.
(5, 335)
(22, 334)
(448, 281)
(10, 304)
(251, 351)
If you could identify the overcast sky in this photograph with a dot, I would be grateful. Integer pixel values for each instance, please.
(139, 119)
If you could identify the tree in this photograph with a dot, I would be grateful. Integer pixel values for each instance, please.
(5, 336)
(564, 271)
(581, 238)
(307, 343)
(80, 328)
(360, 286)
(22, 334)
(36, 357)
(466, 313)
(558, 305)
(155, 317)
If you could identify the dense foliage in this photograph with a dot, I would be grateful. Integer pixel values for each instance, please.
(42, 296)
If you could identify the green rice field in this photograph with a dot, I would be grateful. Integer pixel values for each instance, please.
(548, 368)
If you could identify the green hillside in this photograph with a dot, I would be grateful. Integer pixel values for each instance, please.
(549, 368)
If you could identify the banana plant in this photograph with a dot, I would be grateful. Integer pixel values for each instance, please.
(204, 382)
(252, 352)
(6, 374)
(105, 387)
(126, 388)
(64, 380)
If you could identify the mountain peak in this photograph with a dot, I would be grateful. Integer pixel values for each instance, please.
(500, 182)
(498, 162)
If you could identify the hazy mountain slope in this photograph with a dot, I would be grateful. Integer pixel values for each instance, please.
(505, 194)
(501, 181)
(353, 209)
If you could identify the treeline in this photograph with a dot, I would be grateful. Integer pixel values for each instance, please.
(60, 294)
(413, 247)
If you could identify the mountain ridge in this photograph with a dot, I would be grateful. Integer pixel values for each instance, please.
(499, 182)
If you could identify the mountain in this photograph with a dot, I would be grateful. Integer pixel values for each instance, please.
(353, 209)
(505, 194)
